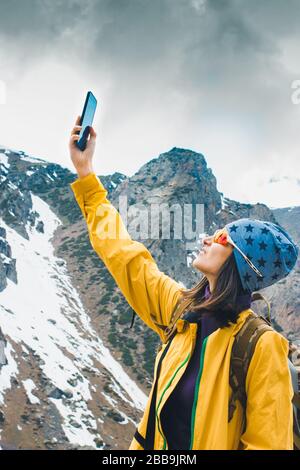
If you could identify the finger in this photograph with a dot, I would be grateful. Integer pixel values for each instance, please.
(75, 129)
(78, 120)
(91, 143)
(74, 137)
(93, 133)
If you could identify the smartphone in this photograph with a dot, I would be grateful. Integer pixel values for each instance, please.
(86, 120)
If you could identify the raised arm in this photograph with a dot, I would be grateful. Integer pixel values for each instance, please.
(151, 293)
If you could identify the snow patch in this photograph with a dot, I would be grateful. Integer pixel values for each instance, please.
(12, 185)
(110, 400)
(4, 160)
(224, 203)
(29, 386)
(7, 371)
(31, 159)
(5, 259)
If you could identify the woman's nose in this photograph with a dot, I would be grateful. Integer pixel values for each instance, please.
(208, 240)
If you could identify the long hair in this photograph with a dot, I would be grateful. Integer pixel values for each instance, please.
(222, 304)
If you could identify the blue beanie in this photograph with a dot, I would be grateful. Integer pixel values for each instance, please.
(269, 248)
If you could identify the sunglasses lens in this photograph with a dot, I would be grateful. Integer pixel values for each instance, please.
(221, 237)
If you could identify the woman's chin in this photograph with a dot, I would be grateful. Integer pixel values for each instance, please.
(197, 264)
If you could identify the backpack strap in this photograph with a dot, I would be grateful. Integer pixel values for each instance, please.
(241, 354)
(258, 296)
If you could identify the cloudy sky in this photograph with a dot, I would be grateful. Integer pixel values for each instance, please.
(214, 76)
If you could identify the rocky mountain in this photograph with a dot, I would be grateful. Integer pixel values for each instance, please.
(73, 374)
(286, 299)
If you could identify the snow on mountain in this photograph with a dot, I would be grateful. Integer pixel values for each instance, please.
(29, 386)
(43, 313)
(4, 166)
(24, 156)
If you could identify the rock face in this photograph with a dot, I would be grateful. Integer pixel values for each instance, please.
(81, 305)
(7, 263)
(285, 294)
(3, 359)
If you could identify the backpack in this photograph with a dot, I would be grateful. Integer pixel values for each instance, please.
(241, 354)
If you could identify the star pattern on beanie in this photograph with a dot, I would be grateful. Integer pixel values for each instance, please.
(268, 246)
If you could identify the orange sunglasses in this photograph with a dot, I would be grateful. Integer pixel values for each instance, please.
(222, 236)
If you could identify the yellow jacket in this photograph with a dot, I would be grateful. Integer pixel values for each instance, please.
(153, 296)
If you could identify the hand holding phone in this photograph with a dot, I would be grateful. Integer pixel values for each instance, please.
(82, 159)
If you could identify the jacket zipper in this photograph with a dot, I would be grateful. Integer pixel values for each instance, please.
(164, 391)
(196, 394)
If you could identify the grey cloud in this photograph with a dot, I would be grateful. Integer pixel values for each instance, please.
(34, 18)
(224, 56)
(136, 33)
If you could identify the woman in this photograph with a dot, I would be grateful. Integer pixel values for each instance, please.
(191, 373)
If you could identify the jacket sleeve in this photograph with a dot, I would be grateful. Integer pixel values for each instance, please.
(269, 412)
(148, 290)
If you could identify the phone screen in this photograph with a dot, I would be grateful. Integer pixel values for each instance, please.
(86, 119)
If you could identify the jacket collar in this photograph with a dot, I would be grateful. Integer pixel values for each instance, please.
(244, 302)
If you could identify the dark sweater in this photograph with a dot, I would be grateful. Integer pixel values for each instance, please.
(177, 411)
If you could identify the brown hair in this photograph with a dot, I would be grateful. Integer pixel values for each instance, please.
(222, 303)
